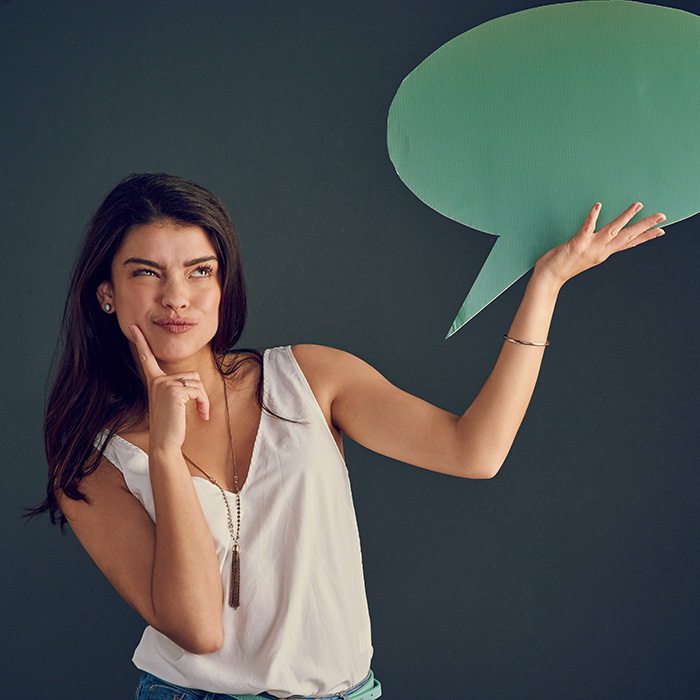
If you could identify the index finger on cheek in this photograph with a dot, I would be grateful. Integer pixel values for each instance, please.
(148, 361)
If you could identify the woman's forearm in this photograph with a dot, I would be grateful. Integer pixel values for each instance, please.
(488, 427)
(186, 586)
(490, 424)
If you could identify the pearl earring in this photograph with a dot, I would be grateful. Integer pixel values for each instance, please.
(108, 307)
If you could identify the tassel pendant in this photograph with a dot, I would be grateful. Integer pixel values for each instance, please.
(234, 596)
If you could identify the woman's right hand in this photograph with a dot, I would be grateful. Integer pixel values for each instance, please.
(168, 396)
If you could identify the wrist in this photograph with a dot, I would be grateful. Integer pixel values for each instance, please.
(165, 454)
(545, 281)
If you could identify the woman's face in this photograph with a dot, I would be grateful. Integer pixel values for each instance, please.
(166, 280)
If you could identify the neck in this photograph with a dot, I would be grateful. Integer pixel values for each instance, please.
(203, 363)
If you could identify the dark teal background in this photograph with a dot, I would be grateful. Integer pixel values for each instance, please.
(575, 572)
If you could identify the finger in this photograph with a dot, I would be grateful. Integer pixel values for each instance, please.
(631, 233)
(150, 365)
(591, 219)
(645, 236)
(183, 388)
(614, 227)
(203, 405)
(191, 381)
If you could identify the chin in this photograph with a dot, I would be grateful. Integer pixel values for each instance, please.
(176, 350)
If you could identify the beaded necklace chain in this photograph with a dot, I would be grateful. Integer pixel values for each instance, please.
(234, 597)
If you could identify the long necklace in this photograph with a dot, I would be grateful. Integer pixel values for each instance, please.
(234, 596)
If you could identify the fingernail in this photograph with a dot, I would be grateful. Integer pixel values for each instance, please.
(661, 218)
(597, 206)
(638, 206)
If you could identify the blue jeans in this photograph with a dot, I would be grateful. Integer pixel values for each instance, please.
(151, 687)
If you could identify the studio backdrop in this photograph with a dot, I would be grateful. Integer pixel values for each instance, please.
(574, 573)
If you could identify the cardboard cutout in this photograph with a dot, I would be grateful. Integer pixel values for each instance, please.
(517, 127)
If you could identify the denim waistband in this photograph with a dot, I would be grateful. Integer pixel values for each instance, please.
(367, 689)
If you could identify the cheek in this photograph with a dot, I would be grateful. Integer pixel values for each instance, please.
(135, 303)
(210, 306)
(216, 308)
(131, 308)
(213, 300)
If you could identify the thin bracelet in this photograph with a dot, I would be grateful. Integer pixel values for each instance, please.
(525, 342)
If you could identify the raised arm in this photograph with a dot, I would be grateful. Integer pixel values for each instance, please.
(167, 571)
(492, 421)
(361, 403)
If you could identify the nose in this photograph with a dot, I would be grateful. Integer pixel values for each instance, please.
(175, 295)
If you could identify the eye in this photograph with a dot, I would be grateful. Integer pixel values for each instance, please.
(144, 272)
(203, 271)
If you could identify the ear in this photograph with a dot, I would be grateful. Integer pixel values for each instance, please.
(105, 293)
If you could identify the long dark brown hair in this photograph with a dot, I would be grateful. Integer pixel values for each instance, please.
(95, 385)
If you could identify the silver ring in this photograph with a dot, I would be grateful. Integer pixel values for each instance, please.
(182, 379)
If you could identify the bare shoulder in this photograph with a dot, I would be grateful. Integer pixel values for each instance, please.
(330, 372)
(328, 369)
(108, 504)
(105, 482)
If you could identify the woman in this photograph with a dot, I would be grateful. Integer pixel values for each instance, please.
(209, 485)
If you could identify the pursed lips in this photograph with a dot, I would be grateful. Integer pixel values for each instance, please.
(175, 325)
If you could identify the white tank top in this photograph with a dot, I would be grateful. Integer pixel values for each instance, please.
(303, 624)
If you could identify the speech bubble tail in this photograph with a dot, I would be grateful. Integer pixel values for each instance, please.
(504, 266)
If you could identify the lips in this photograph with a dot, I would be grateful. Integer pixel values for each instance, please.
(175, 325)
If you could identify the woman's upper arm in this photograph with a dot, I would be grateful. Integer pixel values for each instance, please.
(117, 533)
(372, 411)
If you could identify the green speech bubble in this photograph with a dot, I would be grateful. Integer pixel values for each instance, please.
(517, 127)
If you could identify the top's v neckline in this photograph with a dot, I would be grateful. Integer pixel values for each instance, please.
(256, 442)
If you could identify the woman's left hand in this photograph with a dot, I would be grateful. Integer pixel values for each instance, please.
(590, 247)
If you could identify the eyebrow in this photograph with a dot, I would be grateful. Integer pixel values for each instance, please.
(152, 263)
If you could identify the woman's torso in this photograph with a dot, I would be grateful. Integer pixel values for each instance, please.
(303, 625)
